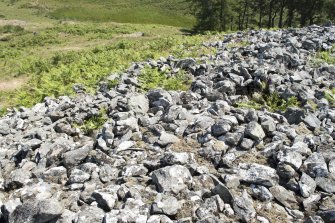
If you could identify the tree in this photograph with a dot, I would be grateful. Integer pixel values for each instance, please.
(242, 14)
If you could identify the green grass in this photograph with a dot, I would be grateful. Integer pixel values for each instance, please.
(168, 12)
(56, 54)
(55, 76)
(153, 78)
(93, 123)
(139, 15)
(330, 96)
(321, 57)
(271, 101)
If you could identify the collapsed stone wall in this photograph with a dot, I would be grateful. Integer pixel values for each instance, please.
(192, 156)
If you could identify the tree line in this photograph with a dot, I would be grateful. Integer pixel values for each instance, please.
(225, 15)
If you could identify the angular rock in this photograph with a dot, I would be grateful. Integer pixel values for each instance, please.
(315, 165)
(307, 185)
(258, 174)
(284, 196)
(172, 178)
(244, 207)
(166, 205)
(255, 131)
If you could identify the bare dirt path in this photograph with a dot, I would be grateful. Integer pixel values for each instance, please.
(15, 83)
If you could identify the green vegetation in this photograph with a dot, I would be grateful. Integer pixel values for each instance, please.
(224, 15)
(239, 44)
(330, 96)
(153, 78)
(11, 29)
(93, 123)
(168, 12)
(54, 73)
(50, 55)
(321, 57)
(271, 101)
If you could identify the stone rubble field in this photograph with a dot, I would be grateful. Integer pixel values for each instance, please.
(193, 156)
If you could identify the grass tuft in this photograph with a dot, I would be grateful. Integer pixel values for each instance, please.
(153, 78)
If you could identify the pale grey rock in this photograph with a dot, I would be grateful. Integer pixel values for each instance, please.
(246, 144)
(138, 104)
(76, 156)
(78, 176)
(307, 185)
(261, 193)
(90, 214)
(182, 158)
(17, 179)
(166, 205)
(56, 175)
(290, 157)
(106, 201)
(285, 197)
(312, 121)
(255, 131)
(258, 174)
(315, 165)
(172, 178)
(326, 184)
(211, 207)
(166, 139)
(244, 207)
(159, 219)
(311, 202)
(134, 170)
(108, 173)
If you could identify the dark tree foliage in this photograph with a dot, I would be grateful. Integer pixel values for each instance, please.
(224, 15)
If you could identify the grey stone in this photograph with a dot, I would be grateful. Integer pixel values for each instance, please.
(166, 139)
(40, 211)
(108, 173)
(311, 202)
(164, 204)
(172, 178)
(290, 157)
(138, 104)
(254, 131)
(106, 201)
(159, 219)
(326, 184)
(211, 206)
(261, 193)
(134, 170)
(307, 185)
(244, 208)
(90, 214)
(78, 176)
(246, 144)
(258, 174)
(76, 156)
(312, 121)
(4, 128)
(220, 128)
(178, 158)
(17, 179)
(56, 175)
(315, 165)
(284, 196)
